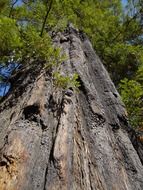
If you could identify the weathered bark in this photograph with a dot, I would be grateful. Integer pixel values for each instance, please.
(52, 139)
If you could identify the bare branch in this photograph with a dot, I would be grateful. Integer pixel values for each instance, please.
(46, 16)
(12, 6)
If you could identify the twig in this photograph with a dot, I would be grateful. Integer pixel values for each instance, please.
(12, 8)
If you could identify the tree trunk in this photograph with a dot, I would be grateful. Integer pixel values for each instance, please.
(51, 139)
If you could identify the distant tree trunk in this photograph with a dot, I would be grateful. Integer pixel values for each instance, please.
(52, 139)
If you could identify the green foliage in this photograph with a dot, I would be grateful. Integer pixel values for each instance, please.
(10, 41)
(114, 35)
(35, 46)
(66, 82)
(22, 40)
(132, 95)
(139, 75)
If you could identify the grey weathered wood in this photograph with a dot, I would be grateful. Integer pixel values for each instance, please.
(51, 139)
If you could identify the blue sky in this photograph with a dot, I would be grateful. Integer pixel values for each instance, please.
(6, 72)
(124, 2)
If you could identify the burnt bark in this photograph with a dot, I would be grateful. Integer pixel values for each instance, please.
(53, 139)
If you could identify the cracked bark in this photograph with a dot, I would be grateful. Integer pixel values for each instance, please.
(51, 140)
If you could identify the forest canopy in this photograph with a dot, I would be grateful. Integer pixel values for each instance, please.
(115, 30)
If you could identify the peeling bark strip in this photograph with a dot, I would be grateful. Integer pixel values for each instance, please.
(51, 141)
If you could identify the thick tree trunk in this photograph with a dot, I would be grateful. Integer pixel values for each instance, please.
(52, 139)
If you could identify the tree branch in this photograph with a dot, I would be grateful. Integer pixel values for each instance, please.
(127, 23)
(46, 16)
(11, 9)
